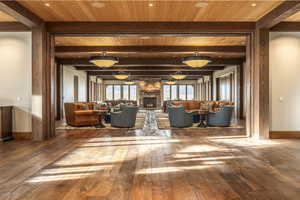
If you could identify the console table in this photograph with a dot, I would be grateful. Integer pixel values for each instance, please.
(5, 123)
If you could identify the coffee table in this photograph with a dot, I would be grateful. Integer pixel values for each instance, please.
(203, 118)
(101, 114)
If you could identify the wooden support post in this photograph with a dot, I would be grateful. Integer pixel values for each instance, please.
(88, 88)
(43, 84)
(59, 91)
(257, 84)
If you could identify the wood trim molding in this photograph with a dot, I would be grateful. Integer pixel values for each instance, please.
(286, 27)
(13, 27)
(22, 135)
(285, 134)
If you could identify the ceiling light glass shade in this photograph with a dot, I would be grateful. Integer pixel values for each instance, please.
(104, 61)
(129, 82)
(196, 61)
(170, 82)
(121, 76)
(178, 76)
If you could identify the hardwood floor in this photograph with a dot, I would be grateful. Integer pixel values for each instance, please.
(150, 164)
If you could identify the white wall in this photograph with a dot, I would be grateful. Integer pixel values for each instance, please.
(285, 81)
(68, 84)
(15, 77)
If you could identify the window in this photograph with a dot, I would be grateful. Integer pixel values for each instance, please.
(175, 92)
(109, 92)
(125, 92)
(132, 94)
(189, 92)
(182, 92)
(166, 92)
(117, 92)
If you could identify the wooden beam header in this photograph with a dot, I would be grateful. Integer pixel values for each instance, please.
(13, 27)
(150, 73)
(20, 13)
(149, 68)
(278, 14)
(128, 61)
(222, 49)
(116, 28)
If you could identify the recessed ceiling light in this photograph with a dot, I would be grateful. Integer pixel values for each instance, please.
(47, 4)
(253, 5)
(98, 4)
(201, 4)
(150, 4)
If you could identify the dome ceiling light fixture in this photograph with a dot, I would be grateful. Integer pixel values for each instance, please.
(196, 61)
(121, 75)
(129, 82)
(104, 60)
(178, 75)
(170, 82)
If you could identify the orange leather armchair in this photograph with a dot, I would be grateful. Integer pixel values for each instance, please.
(77, 115)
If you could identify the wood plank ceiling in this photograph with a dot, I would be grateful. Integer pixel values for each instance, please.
(140, 41)
(143, 10)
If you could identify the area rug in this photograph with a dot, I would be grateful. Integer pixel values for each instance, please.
(161, 115)
(163, 123)
(139, 124)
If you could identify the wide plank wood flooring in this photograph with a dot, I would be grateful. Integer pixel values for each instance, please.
(150, 164)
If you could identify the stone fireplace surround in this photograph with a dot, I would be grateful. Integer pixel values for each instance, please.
(150, 94)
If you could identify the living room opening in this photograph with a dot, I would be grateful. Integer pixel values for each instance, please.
(151, 74)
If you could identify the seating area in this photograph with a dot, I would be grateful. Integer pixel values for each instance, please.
(209, 113)
(92, 114)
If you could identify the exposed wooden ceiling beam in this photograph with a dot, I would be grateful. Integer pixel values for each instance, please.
(229, 49)
(20, 13)
(12, 27)
(278, 14)
(149, 68)
(135, 78)
(286, 27)
(116, 28)
(150, 61)
(151, 73)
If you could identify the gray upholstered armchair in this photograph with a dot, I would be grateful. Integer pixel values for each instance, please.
(125, 118)
(220, 118)
(179, 118)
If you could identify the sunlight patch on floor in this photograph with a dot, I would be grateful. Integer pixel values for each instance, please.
(170, 169)
(199, 148)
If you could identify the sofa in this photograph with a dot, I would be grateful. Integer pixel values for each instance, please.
(192, 106)
(117, 102)
(125, 118)
(178, 117)
(82, 113)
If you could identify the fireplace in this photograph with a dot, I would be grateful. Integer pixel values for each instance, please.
(150, 102)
